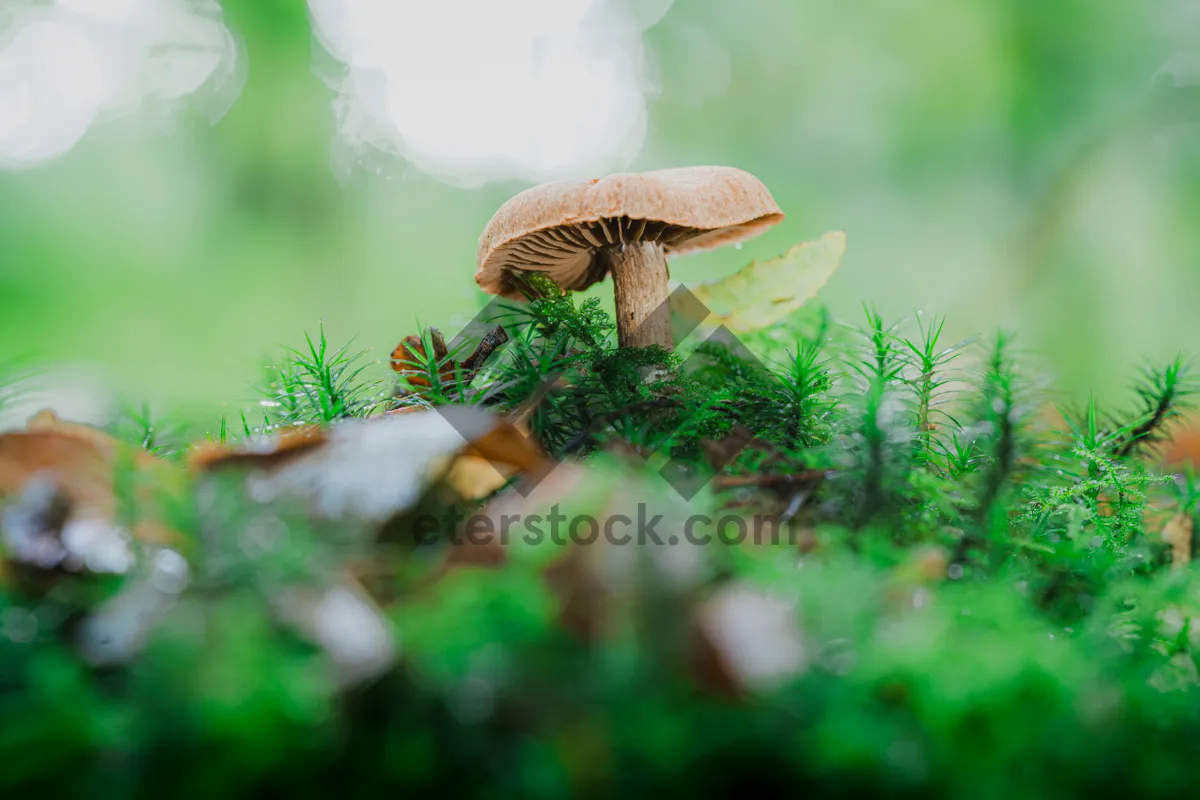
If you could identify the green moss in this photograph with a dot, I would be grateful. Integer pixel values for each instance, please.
(1053, 655)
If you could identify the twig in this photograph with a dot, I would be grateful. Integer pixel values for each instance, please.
(495, 338)
(738, 481)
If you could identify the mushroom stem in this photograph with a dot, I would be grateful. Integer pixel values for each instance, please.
(639, 273)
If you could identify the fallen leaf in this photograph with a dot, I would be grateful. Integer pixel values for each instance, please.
(47, 420)
(81, 463)
(262, 451)
(81, 468)
(405, 410)
(764, 292)
(507, 443)
(475, 477)
(409, 358)
(43, 540)
(373, 469)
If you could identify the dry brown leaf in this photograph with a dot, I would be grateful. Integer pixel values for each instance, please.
(79, 465)
(375, 468)
(83, 462)
(47, 420)
(507, 444)
(475, 478)
(266, 452)
(60, 478)
(410, 354)
(1178, 534)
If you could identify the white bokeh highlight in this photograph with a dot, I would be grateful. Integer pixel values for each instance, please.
(474, 91)
(66, 65)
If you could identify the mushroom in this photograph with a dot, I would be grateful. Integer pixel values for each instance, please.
(627, 224)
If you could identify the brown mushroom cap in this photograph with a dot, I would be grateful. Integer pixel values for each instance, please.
(558, 228)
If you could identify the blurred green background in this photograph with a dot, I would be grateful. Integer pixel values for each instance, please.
(1004, 163)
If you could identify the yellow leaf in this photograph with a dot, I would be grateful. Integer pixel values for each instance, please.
(475, 478)
(764, 292)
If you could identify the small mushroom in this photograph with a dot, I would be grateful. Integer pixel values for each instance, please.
(577, 232)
